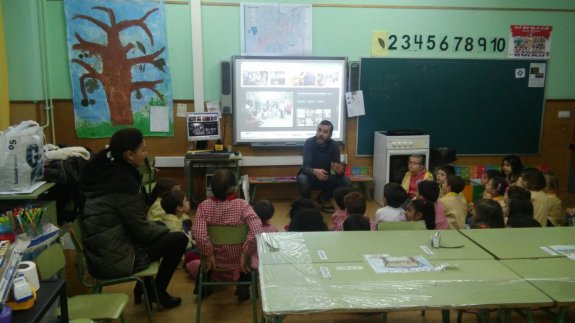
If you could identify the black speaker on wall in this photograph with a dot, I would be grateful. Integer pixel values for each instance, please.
(226, 95)
(354, 76)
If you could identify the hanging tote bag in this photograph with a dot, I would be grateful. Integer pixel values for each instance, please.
(21, 156)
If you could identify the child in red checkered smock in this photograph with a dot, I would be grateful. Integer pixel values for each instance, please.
(341, 213)
(225, 209)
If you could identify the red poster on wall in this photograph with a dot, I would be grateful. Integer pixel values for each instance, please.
(530, 41)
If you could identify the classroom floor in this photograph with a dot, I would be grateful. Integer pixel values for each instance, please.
(222, 306)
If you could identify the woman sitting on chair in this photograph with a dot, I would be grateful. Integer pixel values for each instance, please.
(118, 238)
(225, 209)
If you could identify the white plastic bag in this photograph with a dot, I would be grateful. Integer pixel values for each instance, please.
(21, 156)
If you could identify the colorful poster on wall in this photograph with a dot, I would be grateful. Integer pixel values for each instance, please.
(118, 67)
(276, 29)
(530, 41)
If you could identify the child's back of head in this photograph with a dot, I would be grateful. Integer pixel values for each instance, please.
(455, 184)
(354, 203)
(339, 195)
(300, 204)
(264, 209)
(163, 185)
(356, 222)
(394, 194)
(307, 220)
(533, 179)
(488, 213)
(422, 210)
(172, 200)
(224, 183)
(428, 190)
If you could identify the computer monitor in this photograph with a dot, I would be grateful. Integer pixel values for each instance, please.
(203, 126)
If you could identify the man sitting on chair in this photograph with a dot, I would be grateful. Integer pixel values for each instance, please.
(322, 167)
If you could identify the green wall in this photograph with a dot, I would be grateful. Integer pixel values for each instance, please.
(340, 28)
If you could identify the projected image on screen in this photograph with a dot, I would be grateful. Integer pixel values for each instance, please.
(282, 99)
(269, 109)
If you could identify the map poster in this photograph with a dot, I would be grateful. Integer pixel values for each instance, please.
(530, 41)
(276, 29)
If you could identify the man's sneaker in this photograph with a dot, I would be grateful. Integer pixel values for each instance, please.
(325, 205)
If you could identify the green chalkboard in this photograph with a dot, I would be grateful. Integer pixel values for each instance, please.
(478, 107)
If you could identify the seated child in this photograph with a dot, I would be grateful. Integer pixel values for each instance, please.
(298, 204)
(163, 185)
(341, 213)
(442, 172)
(307, 220)
(356, 206)
(495, 190)
(429, 190)
(265, 211)
(225, 209)
(421, 210)
(487, 214)
(519, 220)
(416, 173)
(175, 205)
(517, 204)
(533, 180)
(555, 215)
(489, 174)
(393, 197)
(356, 222)
(512, 168)
(570, 216)
(454, 205)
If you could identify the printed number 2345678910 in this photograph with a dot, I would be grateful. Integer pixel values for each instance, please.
(442, 43)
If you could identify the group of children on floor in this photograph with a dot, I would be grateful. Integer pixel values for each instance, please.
(513, 197)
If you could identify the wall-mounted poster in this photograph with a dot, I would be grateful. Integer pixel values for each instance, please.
(276, 29)
(118, 66)
(530, 41)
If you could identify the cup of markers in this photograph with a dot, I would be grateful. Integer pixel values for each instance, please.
(22, 220)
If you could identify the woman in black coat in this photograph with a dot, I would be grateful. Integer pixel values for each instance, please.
(118, 238)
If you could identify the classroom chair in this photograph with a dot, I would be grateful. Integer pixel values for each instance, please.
(407, 225)
(99, 283)
(81, 308)
(221, 236)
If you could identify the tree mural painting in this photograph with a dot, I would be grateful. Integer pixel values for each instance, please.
(113, 67)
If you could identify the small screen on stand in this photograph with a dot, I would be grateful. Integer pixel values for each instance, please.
(203, 126)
